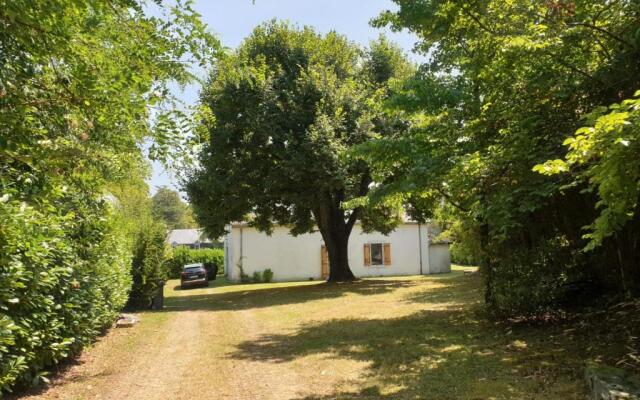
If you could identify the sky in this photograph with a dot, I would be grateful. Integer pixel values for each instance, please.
(233, 20)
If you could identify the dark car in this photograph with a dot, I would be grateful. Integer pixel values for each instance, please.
(193, 275)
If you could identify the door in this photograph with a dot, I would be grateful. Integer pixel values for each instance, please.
(324, 258)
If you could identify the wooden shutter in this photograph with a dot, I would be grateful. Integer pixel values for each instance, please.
(324, 257)
(367, 254)
(387, 254)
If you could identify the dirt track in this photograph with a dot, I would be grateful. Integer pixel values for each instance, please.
(187, 352)
(377, 339)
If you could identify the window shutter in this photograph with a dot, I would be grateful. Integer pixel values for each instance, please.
(387, 254)
(367, 254)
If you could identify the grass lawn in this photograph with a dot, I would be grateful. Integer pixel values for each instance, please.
(383, 338)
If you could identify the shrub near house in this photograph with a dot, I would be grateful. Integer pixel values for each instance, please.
(184, 255)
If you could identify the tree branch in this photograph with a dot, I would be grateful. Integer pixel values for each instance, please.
(453, 203)
(362, 190)
(606, 32)
(352, 219)
(477, 21)
(10, 21)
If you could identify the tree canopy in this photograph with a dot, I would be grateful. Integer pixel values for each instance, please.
(505, 85)
(170, 208)
(284, 110)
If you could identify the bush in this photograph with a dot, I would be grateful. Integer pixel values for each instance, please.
(244, 278)
(184, 255)
(267, 275)
(64, 276)
(147, 267)
(535, 281)
(257, 277)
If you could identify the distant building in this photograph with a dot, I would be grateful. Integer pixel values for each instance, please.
(193, 238)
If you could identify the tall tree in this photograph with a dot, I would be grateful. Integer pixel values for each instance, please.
(170, 208)
(505, 84)
(285, 110)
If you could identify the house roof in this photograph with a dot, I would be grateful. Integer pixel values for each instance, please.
(247, 224)
(187, 236)
(405, 219)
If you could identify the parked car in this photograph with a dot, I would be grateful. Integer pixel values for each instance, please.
(193, 275)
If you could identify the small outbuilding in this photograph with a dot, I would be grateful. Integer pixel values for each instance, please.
(408, 250)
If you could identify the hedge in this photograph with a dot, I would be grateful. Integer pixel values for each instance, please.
(147, 266)
(64, 275)
(184, 255)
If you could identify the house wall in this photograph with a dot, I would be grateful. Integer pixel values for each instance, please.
(439, 258)
(290, 258)
(405, 251)
(299, 258)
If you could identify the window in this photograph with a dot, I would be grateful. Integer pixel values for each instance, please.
(377, 254)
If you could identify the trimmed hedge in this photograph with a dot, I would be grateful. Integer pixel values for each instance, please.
(64, 275)
(184, 255)
(147, 266)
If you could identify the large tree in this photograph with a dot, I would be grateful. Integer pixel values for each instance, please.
(505, 84)
(170, 208)
(284, 111)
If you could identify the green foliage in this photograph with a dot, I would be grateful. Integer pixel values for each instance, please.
(148, 265)
(79, 82)
(461, 254)
(504, 84)
(244, 278)
(267, 275)
(256, 277)
(64, 275)
(169, 207)
(606, 155)
(180, 256)
(283, 112)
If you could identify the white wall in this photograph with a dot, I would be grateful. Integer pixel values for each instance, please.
(439, 258)
(290, 258)
(298, 258)
(405, 251)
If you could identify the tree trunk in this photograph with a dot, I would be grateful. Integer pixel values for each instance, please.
(339, 270)
(486, 269)
(335, 232)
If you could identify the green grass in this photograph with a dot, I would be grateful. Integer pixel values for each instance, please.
(417, 337)
(421, 337)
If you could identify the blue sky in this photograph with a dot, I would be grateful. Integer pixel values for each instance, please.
(233, 20)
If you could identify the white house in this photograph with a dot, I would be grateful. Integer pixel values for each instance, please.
(406, 251)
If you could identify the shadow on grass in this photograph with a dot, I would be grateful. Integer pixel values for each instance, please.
(219, 282)
(451, 352)
(275, 296)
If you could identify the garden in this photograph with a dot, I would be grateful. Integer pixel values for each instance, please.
(514, 126)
